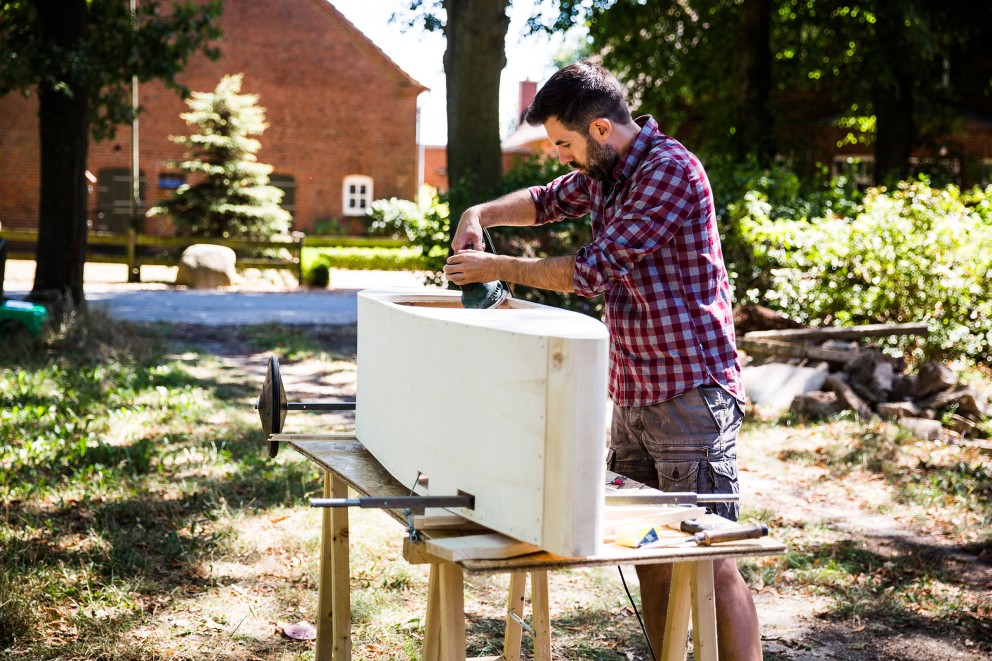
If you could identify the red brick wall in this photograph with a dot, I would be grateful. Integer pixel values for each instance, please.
(334, 103)
(436, 167)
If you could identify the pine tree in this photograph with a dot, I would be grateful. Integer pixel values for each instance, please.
(229, 194)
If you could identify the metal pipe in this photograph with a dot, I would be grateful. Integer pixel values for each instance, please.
(669, 498)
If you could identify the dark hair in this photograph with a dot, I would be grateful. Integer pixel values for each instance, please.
(578, 94)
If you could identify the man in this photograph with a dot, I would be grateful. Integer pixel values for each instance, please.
(655, 255)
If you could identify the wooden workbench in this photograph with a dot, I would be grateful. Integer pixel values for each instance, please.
(346, 463)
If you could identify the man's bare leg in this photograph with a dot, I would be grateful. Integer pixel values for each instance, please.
(736, 617)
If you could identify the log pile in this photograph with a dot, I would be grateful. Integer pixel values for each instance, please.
(930, 402)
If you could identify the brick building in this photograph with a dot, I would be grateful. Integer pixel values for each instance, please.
(342, 123)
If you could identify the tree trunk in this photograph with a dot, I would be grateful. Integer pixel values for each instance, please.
(756, 134)
(63, 127)
(473, 61)
(892, 96)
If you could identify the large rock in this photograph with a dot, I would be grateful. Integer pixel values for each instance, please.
(772, 387)
(205, 266)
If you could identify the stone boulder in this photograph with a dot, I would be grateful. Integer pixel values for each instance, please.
(206, 266)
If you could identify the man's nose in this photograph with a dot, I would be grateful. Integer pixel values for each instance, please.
(564, 156)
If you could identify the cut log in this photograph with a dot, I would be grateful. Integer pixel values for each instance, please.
(750, 318)
(765, 347)
(897, 410)
(871, 375)
(964, 399)
(933, 377)
(848, 398)
(841, 333)
(818, 404)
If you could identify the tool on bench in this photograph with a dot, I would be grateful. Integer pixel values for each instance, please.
(718, 536)
(485, 295)
(272, 405)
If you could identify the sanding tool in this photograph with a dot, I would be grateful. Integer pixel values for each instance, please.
(485, 295)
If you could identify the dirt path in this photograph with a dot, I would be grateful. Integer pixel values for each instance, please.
(853, 509)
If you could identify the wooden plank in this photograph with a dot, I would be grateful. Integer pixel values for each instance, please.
(841, 333)
(675, 642)
(613, 555)
(334, 596)
(432, 622)
(660, 516)
(438, 519)
(357, 468)
(540, 615)
(313, 438)
(451, 594)
(704, 637)
(479, 547)
(514, 607)
(523, 422)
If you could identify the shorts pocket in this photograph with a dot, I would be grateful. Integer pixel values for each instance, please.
(721, 477)
(677, 475)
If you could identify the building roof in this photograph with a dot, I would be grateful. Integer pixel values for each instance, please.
(367, 44)
(525, 139)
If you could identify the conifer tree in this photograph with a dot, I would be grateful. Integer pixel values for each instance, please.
(227, 193)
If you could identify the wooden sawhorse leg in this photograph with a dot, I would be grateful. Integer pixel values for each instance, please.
(692, 589)
(444, 637)
(540, 616)
(334, 600)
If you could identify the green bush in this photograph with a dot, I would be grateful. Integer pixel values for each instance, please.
(319, 275)
(913, 254)
(405, 258)
(395, 218)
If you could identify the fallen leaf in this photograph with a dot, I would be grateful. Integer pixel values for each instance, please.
(300, 631)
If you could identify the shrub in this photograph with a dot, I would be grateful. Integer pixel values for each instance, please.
(319, 275)
(395, 218)
(915, 254)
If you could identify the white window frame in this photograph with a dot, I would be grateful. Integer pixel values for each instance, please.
(356, 195)
(863, 163)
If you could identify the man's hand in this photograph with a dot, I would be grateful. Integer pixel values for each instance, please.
(471, 266)
(468, 235)
(553, 273)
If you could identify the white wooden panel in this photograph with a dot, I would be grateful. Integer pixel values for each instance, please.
(505, 404)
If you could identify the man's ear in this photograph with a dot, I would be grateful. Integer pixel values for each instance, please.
(600, 129)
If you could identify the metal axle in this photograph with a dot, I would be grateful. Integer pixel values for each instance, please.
(396, 502)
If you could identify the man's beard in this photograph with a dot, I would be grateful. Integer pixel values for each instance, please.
(601, 160)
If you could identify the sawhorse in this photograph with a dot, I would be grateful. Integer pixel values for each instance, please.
(350, 465)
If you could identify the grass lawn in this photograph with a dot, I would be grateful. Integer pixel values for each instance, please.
(140, 518)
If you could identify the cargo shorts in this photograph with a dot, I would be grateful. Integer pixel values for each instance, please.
(688, 443)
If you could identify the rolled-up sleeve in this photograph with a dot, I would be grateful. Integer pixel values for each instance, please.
(568, 196)
(664, 199)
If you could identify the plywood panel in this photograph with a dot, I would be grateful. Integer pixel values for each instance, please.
(505, 404)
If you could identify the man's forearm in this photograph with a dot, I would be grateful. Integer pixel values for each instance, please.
(554, 273)
(515, 209)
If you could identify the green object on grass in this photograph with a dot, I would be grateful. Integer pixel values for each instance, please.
(31, 315)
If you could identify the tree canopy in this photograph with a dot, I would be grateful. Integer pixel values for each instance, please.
(757, 76)
(78, 57)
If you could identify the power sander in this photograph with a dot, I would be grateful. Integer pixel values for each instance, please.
(485, 295)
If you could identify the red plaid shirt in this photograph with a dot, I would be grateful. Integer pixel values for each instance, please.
(656, 257)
